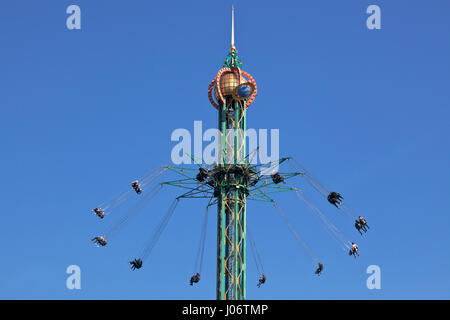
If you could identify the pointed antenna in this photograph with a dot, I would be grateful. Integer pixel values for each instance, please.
(233, 48)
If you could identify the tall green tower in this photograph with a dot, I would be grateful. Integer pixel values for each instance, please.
(232, 179)
(229, 178)
(234, 90)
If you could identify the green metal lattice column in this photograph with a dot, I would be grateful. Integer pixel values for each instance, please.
(231, 213)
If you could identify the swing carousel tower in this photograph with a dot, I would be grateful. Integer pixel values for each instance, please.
(231, 92)
(230, 182)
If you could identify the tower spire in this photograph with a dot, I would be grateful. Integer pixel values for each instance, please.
(232, 48)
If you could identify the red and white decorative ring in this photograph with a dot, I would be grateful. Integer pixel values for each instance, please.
(210, 90)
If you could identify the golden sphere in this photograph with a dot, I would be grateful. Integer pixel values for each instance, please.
(228, 83)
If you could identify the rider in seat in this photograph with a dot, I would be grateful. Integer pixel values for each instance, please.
(363, 223)
(335, 199)
(136, 264)
(277, 178)
(195, 278)
(359, 226)
(262, 280)
(354, 250)
(319, 269)
(99, 212)
(202, 174)
(136, 187)
(99, 241)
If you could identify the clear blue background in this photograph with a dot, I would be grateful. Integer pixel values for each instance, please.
(85, 112)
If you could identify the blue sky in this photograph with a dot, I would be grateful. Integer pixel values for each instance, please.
(85, 112)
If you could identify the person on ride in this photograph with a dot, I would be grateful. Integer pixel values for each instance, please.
(354, 250)
(99, 241)
(202, 174)
(262, 280)
(99, 212)
(195, 278)
(363, 223)
(136, 187)
(335, 199)
(136, 264)
(359, 226)
(277, 178)
(319, 269)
